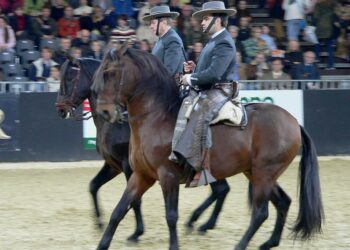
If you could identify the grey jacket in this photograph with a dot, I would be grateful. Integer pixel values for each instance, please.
(169, 49)
(216, 62)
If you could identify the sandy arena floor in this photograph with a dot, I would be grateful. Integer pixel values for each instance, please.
(47, 206)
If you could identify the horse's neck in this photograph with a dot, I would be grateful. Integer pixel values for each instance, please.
(147, 114)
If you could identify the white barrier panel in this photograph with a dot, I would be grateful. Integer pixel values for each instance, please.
(290, 100)
(89, 129)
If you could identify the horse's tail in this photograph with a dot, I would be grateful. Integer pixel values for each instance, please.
(311, 215)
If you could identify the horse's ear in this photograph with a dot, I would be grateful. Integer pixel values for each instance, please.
(123, 48)
(71, 58)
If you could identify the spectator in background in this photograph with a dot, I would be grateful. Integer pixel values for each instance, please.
(100, 24)
(255, 45)
(7, 36)
(21, 24)
(83, 42)
(195, 34)
(83, 12)
(143, 31)
(96, 50)
(234, 34)
(40, 69)
(33, 7)
(186, 16)
(240, 71)
(277, 74)
(68, 26)
(123, 7)
(44, 27)
(244, 29)
(145, 46)
(258, 67)
(57, 9)
(276, 12)
(9, 6)
(53, 81)
(308, 70)
(60, 54)
(195, 52)
(242, 10)
(84, 9)
(122, 32)
(106, 5)
(265, 30)
(324, 19)
(294, 15)
(76, 52)
(293, 57)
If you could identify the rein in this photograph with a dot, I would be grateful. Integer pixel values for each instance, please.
(70, 101)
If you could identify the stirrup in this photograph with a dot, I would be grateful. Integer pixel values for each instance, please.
(205, 178)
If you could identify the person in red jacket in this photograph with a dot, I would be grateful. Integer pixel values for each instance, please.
(68, 26)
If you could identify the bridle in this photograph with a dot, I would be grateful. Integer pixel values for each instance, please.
(70, 102)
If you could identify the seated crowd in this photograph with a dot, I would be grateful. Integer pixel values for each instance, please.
(83, 28)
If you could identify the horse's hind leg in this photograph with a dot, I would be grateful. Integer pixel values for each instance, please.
(136, 187)
(106, 174)
(260, 195)
(169, 182)
(282, 202)
(220, 190)
(136, 206)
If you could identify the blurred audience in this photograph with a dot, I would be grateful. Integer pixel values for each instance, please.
(68, 26)
(7, 36)
(40, 69)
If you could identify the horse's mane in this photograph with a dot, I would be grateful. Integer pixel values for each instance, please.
(156, 81)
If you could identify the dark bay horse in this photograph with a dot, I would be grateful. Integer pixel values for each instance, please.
(262, 151)
(112, 141)
(112, 138)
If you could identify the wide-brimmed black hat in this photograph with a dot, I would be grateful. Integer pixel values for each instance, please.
(214, 7)
(160, 11)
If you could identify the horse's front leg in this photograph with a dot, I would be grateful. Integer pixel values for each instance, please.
(136, 205)
(106, 174)
(169, 182)
(136, 187)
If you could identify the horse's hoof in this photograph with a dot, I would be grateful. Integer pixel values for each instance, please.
(239, 248)
(204, 228)
(267, 246)
(133, 239)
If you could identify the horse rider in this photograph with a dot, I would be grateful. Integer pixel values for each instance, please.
(211, 81)
(169, 47)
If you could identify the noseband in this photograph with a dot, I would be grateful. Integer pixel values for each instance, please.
(70, 102)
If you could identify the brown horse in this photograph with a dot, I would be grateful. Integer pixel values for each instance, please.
(262, 151)
(113, 142)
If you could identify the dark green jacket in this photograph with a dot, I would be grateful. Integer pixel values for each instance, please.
(169, 49)
(216, 62)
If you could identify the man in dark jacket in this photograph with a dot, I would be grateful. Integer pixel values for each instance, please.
(169, 48)
(213, 79)
(308, 70)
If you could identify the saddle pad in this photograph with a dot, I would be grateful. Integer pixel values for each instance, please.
(230, 114)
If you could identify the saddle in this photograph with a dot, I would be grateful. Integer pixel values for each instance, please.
(192, 135)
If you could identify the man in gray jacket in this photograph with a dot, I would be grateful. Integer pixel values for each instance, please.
(169, 48)
(213, 79)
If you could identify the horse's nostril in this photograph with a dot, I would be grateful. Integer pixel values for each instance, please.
(105, 115)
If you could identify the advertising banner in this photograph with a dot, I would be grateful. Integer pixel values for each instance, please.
(290, 100)
(89, 129)
(9, 122)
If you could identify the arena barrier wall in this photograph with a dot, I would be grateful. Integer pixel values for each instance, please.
(43, 136)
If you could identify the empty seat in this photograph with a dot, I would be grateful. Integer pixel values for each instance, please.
(12, 69)
(49, 43)
(7, 57)
(28, 57)
(24, 45)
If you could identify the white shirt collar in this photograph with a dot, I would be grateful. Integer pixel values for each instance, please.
(217, 33)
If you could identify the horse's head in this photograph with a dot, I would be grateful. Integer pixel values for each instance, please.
(75, 85)
(114, 83)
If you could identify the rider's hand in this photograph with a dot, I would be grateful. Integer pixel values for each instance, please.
(189, 66)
